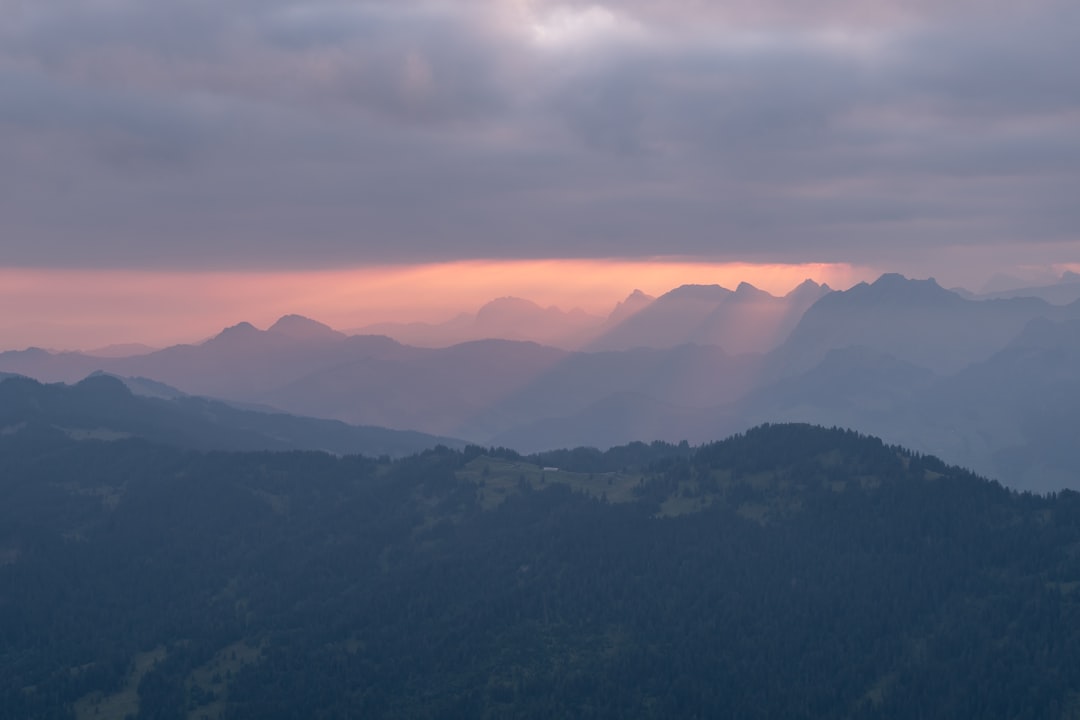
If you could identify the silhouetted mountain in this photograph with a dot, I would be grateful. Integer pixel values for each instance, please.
(474, 390)
(1016, 414)
(916, 321)
(103, 407)
(434, 389)
(121, 350)
(513, 318)
(506, 318)
(746, 320)
(897, 357)
(1063, 292)
(299, 327)
(752, 320)
(634, 303)
(1011, 416)
(617, 418)
(851, 382)
(146, 387)
(674, 318)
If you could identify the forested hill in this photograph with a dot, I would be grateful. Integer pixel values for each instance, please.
(789, 572)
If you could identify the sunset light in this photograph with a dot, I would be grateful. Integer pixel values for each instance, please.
(539, 359)
(86, 309)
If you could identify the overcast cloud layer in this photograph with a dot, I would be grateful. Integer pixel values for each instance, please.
(271, 133)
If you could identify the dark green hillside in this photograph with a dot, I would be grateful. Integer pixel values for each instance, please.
(789, 572)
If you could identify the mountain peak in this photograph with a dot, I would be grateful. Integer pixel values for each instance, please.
(746, 291)
(633, 304)
(508, 308)
(808, 289)
(509, 302)
(299, 327)
(240, 328)
(101, 384)
(894, 287)
(120, 350)
(891, 280)
(700, 293)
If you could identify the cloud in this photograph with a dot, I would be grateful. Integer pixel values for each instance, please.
(279, 133)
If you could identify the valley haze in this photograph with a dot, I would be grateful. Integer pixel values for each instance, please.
(988, 381)
(539, 358)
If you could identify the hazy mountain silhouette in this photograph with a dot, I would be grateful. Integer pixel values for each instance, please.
(506, 318)
(746, 320)
(688, 377)
(121, 350)
(1015, 415)
(435, 389)
(634, 303)
(1063, 292)
(674, 318)
(905, 359)
(473, 390)
(299, 327)
(103, 407)
(852, 381)
(916, 321)
(618, 418)
(851, 387)
(1010, 416)
(422, 334)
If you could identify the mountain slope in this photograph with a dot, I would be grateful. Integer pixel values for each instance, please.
(916, 321)
(789, 572)
(103, 407)
(746, 320)
(1017, 412)
(506, 318)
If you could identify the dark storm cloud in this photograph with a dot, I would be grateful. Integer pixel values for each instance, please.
(284, 133)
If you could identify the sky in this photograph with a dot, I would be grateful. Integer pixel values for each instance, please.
(241, 145)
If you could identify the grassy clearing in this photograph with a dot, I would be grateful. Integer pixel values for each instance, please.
(208, 684)
(499, 479)
(771, 494)
(120, 705)
(679, 504)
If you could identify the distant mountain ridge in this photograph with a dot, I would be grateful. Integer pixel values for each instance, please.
(914, 320)
(897, 357)
(507, 318)
(745, 320)
(702, 314)
(104, 407)
(1064, 291)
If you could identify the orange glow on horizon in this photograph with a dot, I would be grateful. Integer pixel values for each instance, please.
(92, 308)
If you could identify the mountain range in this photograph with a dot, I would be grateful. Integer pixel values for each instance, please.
(742, 320)
(990, 383)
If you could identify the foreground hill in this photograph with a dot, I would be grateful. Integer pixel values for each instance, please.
(104, 407)
(788, 572)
